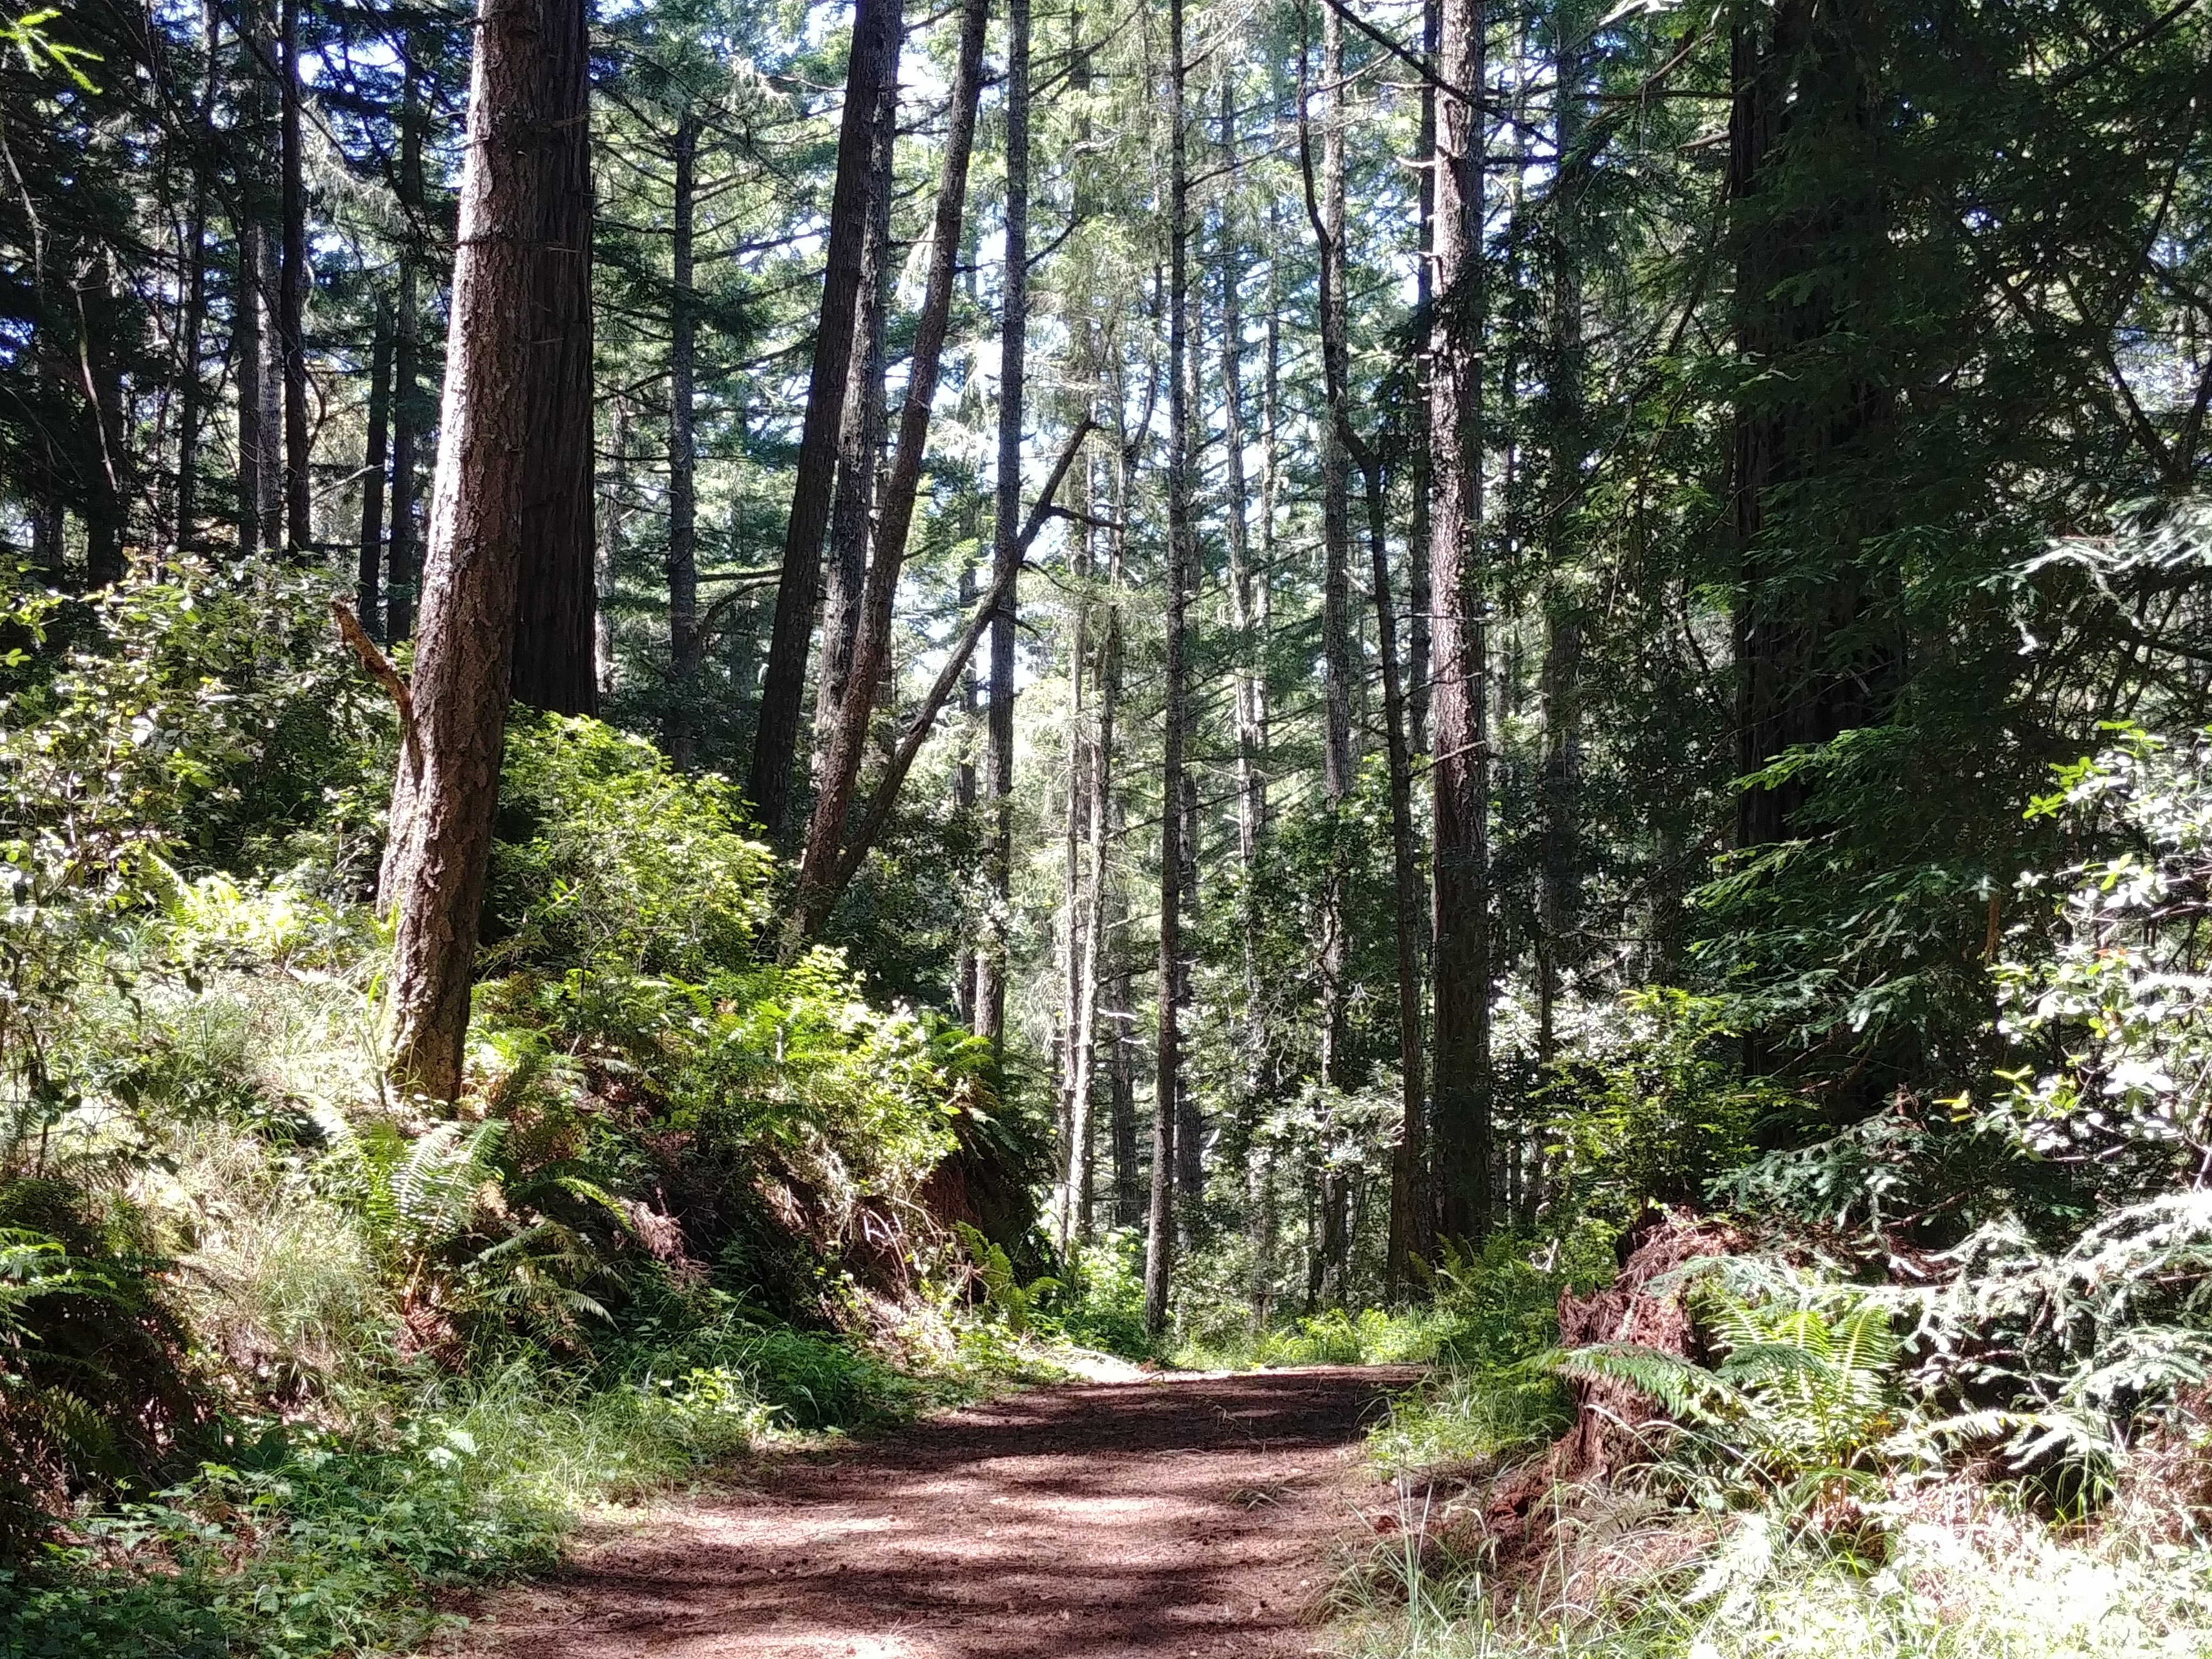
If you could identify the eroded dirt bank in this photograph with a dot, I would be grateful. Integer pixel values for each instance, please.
(1192, 1517)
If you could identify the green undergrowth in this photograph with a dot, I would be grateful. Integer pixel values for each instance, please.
(1496, 1306)
(1798, 1500)
(307, 1542)
(287, 1358)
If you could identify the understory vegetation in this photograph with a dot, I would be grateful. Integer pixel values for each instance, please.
(1933, 1385)
(284, 1352)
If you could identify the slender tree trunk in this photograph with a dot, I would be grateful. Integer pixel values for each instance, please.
(1083, 1045)
(963, 802)
(1122, 1089)
(841, 768)
(407, 422)
(370, 571)
(192, 406)
(684, 636)
(877, 28)
(447, 789)
(259, 413)
(553, 630)
(1461, 1032)
(859, 441)
(1558, 891)
(1251, 785)
(292, 294)
(1077, 940)
(612, 517)
(1419, 536)
(1409, 1202)
(1246, 687)
(1159, 1245)
(1340, 764)
(900, 760)
(1013, 332)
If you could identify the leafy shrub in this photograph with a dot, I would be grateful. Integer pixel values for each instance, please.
(609, 860)
(1654, 1111)
(1101, 1302)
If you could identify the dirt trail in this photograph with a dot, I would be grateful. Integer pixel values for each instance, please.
(1193, 1518)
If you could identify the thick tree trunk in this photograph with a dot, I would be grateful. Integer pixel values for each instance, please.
(1013, 333)
(292, 294)
(1808, 665)
(107, 509)
(818, 888)
(553, 631)
(684, 636)
(368, 572)
(1461, 1032)
(878, 27)
(401, 563)
(447, 789)
(1159, 1244)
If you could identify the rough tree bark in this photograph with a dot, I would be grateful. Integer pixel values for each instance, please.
(877, 26)
(559, 596)
(447, 792)
(1461, 1029)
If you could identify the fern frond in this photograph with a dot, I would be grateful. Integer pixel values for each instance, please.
(1686, 1391)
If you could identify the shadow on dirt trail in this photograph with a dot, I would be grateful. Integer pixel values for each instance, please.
(1185, 1518)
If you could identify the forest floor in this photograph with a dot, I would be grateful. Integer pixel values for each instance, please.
(1180, 1518)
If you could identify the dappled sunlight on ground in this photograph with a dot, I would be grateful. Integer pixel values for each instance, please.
(1177, 1516)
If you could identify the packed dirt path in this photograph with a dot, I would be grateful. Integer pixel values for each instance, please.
(1182, 1518)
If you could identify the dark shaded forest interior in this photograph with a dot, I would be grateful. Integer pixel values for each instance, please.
(721, 722)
